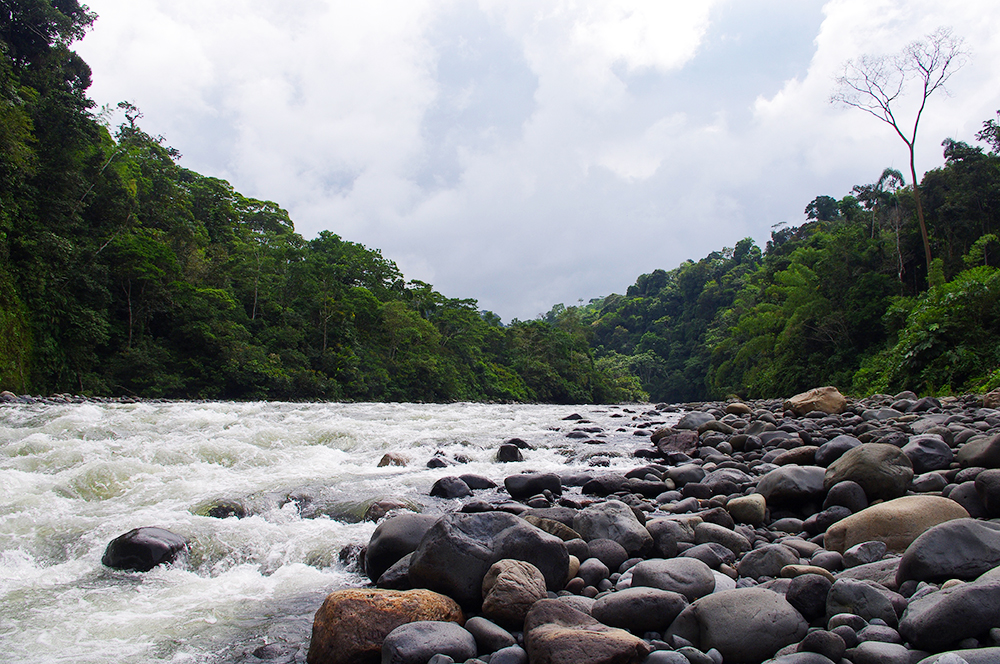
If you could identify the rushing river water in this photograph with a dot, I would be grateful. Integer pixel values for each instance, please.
(74, 477)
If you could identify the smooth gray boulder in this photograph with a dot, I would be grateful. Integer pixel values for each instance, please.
(943, 618)
(616, 521)
(882, 470)
(957, 549)
(767, 561)
(459, 548)
(791, 484)
(928, 452)
(687, 576)
(745, 625)
(862, 598)
(417, 642)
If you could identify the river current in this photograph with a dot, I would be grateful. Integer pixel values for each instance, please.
(75, 476)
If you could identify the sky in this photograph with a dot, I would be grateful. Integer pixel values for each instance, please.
(526, 153)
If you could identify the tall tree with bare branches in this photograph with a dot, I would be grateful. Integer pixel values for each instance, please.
(875, 84)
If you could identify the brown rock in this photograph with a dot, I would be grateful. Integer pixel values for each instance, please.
(896, 522)
(555, 633)
(992, 399)
(510, 588)
(800, 456)
(738, 408)
(392, 459)
(824, 399)
(552, 527)
(351, 625)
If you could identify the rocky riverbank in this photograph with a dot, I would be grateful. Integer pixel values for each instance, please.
(810, 531)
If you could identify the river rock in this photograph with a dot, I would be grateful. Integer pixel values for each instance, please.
(522, 487)
(417, 642)
(928, 452)
(142, 549)
(555, 633)
(455, 554)
(713, 533)
(510, 587)
(639, 609)
(748, 509)
(876, 652)
(616, 521)
(981, 451)
(957, 549)
(690, 577)
(987, 485)
(609, 552)
(767, 561)
(824, 399)
(745, 625)
(807, 593)
(351, 625)
(450, 487)
(846, 494)
(394, 538)
(669, 441)
(489, 636)
(882, 470)
(694, 420)
(509, 453)
(943, 618)
(552, 527)
(969, 656)
(896, 522)
(792, 484)
(833, 449)
(861, 598)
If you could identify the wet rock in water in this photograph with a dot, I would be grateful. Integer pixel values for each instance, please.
(896, 522)
(958, 549)
(351, 625)
(509, 453)
(477, 481)
(417, 642)
(510, 587)
(555, 633)
(450, 487)
(381, 508)
(142, 549)
(455, 554)
(394, 538)
(883, 471)
(392, 459)
(724, 620)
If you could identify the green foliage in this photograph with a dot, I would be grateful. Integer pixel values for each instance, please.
(948, 340)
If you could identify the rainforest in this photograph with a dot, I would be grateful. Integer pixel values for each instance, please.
(124, 273)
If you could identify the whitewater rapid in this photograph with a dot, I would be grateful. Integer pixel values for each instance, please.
(75, 476)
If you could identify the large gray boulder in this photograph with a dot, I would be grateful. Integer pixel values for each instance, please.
(862, 598)
(687, 576)
(417, 642)
(928, 452)
(639, 609)
(613, 520)
(882, 470)
(791, 484)
(981, 451)
(394, 538)
(142, 549)
(767, 561)
(746, 625)
(943, 618)
(957, 549)
(455, 554)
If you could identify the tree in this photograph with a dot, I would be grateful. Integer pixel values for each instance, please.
(875, 83)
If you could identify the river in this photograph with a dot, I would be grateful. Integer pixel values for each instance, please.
(75, 476)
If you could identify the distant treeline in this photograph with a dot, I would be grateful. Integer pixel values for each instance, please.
(843, 299)
(123, 273)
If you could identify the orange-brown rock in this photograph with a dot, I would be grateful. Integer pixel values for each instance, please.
(352, 624)
(896, 522)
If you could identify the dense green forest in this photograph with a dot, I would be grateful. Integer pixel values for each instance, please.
(123, 273)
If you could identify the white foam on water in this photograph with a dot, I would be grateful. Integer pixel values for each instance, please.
(74, 477)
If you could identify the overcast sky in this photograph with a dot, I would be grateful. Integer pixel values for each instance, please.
(532, 152)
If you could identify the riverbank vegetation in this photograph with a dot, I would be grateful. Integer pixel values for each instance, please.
(121, 272)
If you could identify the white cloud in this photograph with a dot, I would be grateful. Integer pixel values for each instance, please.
(528, 152)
